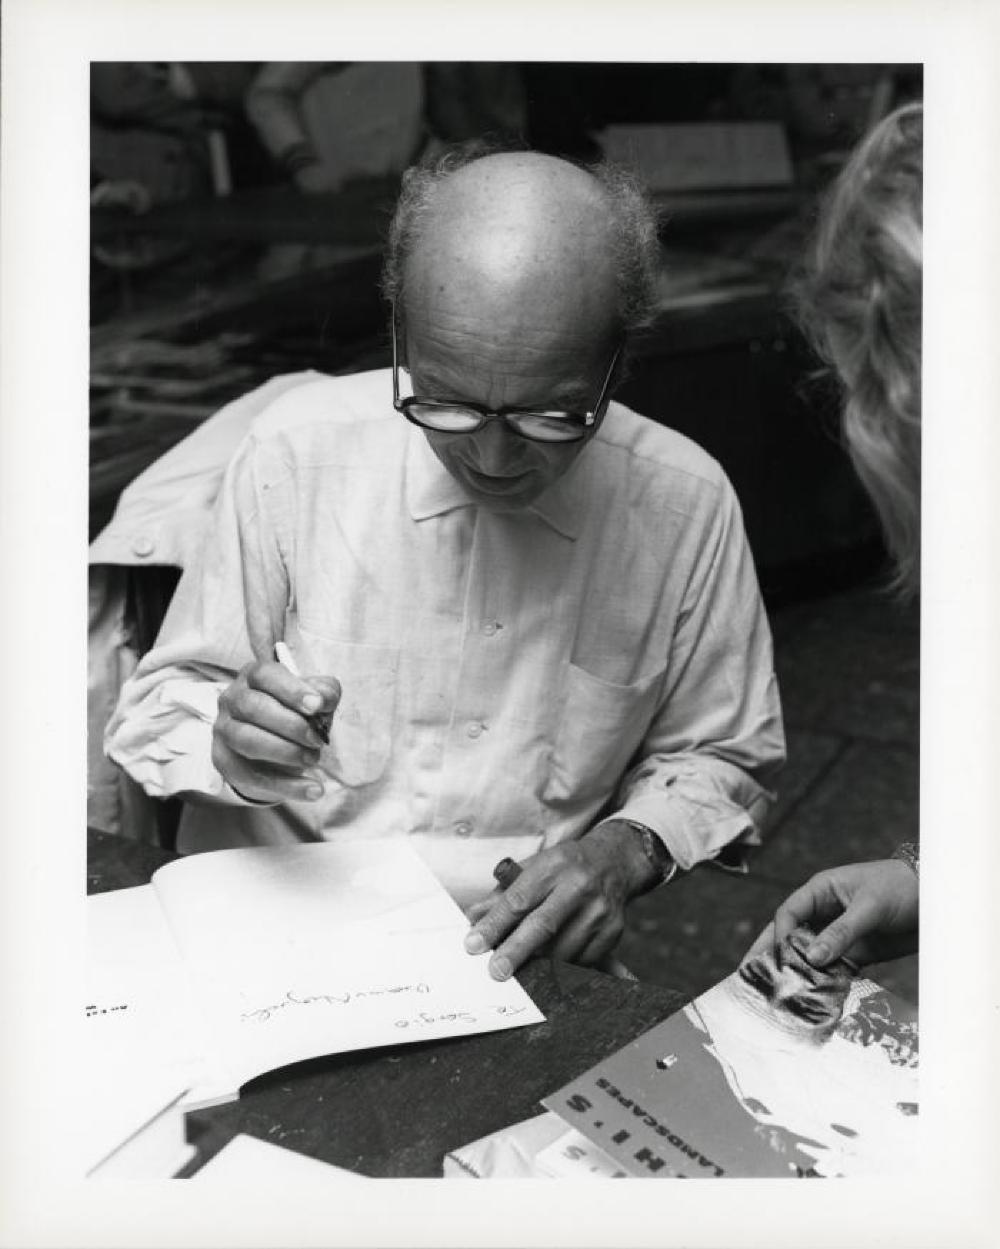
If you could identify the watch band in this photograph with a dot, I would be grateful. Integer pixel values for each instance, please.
(909, 853)
(660, 858)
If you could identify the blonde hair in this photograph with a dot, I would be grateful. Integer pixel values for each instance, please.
(859, 300)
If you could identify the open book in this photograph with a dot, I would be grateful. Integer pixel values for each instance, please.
(780, 1070)
(235, 962)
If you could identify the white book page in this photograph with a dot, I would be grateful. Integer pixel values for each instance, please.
(299, 951)
(141, 1050)
(245, 1160)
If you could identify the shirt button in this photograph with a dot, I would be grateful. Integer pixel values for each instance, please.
(143, 546)
(474, 729)
(463, 828)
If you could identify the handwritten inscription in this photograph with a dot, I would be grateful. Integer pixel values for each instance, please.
(424, 1018)
(262, 1014)
(93, 1010)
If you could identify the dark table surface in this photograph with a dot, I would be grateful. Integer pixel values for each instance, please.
(395, 1112)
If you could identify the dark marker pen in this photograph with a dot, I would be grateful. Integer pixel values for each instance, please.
(506, 872)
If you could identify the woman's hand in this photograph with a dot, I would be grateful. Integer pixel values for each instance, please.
(866, 911)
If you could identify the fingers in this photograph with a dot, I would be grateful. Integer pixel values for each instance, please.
(247, 700)
(263, 743)
(535, 932)
(301, 696)
(591, 934)
(479, 908)
(266, 745)
(861, 917)
(262, 782)
(505, 913)
(556, 903)
(812, 903)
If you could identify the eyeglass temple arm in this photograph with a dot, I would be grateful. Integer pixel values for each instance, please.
(591, 417)
(395, 358)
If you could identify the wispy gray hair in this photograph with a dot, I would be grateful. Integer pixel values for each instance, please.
(633, 216)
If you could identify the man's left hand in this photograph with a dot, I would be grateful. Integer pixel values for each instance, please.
(568, 900)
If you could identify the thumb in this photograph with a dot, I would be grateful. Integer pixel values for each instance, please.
(329, 688)
(837, 938)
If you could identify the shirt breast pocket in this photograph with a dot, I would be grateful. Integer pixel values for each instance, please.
(601, 726)
(362, 729)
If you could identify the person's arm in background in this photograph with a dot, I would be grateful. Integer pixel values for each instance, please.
(214, 656)
(699, 784)
(273, 107)
(868, 912)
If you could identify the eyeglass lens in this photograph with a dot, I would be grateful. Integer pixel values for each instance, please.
(542, 426)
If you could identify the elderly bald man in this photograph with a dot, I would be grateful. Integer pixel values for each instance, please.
(531, 612)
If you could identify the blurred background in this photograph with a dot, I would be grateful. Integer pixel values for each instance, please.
(238, 212)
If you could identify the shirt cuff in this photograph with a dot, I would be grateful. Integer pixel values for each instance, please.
(692, 831)
(166, 744)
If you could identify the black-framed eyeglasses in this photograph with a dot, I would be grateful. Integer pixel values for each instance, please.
(458, 416)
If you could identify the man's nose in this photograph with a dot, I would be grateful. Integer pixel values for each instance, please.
(497, 448)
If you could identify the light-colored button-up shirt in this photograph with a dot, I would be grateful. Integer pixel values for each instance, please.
(508, 680)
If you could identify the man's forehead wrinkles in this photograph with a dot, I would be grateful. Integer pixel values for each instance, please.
(520, 342)
(550, 390)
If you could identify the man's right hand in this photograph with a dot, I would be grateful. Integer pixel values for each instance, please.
(262, 741)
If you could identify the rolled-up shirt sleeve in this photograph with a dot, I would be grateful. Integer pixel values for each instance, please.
(227, 610)
(703, 775)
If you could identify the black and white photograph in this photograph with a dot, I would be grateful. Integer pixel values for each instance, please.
(512, 559)
(505, 485)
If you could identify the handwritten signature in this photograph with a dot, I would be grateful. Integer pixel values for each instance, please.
(262, 1014)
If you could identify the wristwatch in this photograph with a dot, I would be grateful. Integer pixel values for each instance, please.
(660, 858)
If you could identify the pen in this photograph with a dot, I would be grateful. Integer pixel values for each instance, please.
(320, 720)
(506, 872)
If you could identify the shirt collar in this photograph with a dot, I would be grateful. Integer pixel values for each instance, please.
(431, 490)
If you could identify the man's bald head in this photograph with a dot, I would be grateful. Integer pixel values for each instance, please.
(514, 276)
(524, 236)
(524, 230)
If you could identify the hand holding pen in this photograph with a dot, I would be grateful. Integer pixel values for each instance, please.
(271, 725)
(321, 718)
